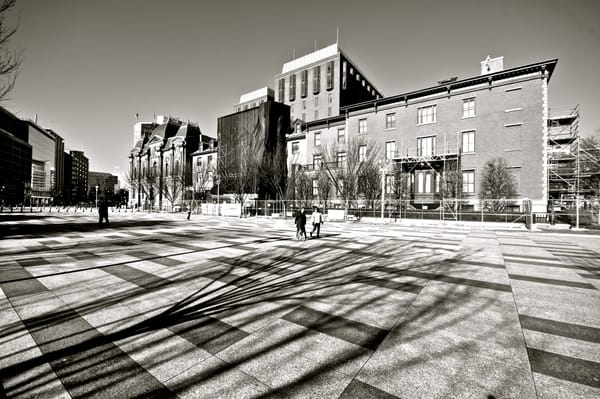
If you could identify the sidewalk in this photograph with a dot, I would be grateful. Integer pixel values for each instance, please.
(157, 306)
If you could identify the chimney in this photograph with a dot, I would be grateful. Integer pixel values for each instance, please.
(491, 65)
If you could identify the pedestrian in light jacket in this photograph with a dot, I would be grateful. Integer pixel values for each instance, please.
(317, 220)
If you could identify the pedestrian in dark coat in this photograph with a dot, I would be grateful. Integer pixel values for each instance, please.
(103, 212)
(300, 221)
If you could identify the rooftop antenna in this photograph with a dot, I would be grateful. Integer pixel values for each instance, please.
(294, 54)
(315, 45)
(337, 35)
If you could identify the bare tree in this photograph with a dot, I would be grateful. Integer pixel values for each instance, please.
(401, 189)
(150, 186)
(204, 175)
(369, 183)
(9, 60)
(238, 172)
(589, 163)
(497, 185)
(451, 189)
(172, 185)
(325, 186)
(344, 166)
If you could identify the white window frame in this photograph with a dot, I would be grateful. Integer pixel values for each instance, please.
(468, 182)
(295, 147)
(317, 141)
(362, 153)
(468, 145)
(468, 107)
(390, 150)
(424, 149)
(427, 115)
(341, 133)
(362, 126)
(390, 121)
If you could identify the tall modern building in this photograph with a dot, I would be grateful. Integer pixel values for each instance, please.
(105, 183)
(254, 99)
(319, 84)
(253, 138)
(76, 177)
(58, 181)
(15, 160)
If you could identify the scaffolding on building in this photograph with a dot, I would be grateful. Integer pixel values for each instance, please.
(438, 161)
(563, 154)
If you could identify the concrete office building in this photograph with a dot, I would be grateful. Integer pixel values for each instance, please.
(253, 138)
(15, 160)
(319, 84)
(106, 184)
(76, 175)
(254, 99)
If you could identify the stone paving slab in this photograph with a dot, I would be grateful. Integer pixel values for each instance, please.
(155, 305)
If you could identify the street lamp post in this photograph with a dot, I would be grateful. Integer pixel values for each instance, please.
(218, 201)
(382, 166)
(96, 197)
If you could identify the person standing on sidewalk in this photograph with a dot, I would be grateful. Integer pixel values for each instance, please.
(300, 221)
(103, 211)
(317, 220)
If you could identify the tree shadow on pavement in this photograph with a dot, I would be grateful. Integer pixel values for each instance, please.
(273, 282)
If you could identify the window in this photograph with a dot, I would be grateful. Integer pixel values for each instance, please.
(316, 101)
(362, 153)
(281, 90)
(304, 83)
(468, 107)
(468, 141)
(425, 180)
(292, 87)
(303, 116)
(317, 162)
(341, 136)
(317, 139)
(295, 147)
(389, 184)
(515, 171)
(390, 150)
(390, 121)
(362, 126)
(210, 159)
(317, 79)
(167, 169)
(344, 73)
(328, 111)
(330, 97)
(468, 178)
(303, 104)
(425, 146)
(426, 115)
(330, 75)
(316, 114)
(341, 159)
(315, 187)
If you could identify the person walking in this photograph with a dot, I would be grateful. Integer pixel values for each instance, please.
(317, 220)
(103, 211)
(300, 221)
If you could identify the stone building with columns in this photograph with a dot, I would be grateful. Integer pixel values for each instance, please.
(160, 164)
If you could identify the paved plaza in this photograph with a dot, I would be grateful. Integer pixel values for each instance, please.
(154, 305)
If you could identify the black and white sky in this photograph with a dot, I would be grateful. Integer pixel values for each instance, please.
(90, 66)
